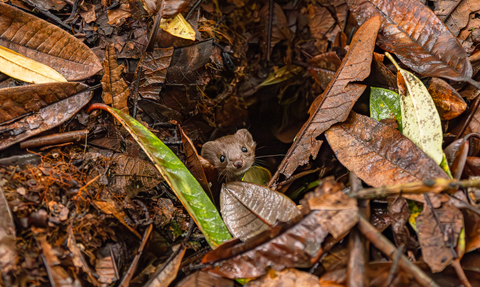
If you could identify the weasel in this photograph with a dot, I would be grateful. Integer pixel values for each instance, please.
(231, 155)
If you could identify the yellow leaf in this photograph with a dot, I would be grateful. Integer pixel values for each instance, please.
(282, 74)
(24, 69)
(178, 27)
(420, 119)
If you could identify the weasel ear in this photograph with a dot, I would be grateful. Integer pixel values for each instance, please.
(244, 133)
(208, 149)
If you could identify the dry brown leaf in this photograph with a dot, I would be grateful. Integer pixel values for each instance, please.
(280, 29)
(336, 102)
(57, 275)
(17, 101)
(111, 209)
(289, 277)
(379, 154)
(459, 17)
(416, 36)
(46, 43)
(165, 275)
(115, 89)
(118, 15)
(323, 67)
(434, 240)
(448, 101)
(249, 209)
(205, 279)
(154, 71)
(320, 21)
(8, 249)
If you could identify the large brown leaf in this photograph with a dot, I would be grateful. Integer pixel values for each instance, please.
(154, 71)
(18, 101)
(380, 154)
(46, 118)
(415, 34)
(46, 43)
(338, 99)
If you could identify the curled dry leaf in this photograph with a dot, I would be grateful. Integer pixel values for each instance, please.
(336, 102)
(416, 36)
(379, 154)
(448, 101)
(295, 277)
(46, 43)
(165, 275)
(17, 101)
(249, 209)
(194, 164)
(154, 71)
(24, 69)
(298, 246)
(45, 119)
(115, 89)
(435, 244)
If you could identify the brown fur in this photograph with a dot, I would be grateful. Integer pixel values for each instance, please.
(236, 161)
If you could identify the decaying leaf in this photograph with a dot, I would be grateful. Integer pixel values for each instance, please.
(178, 27)
(336, 102)
(379, 154)
(154, 71)
(45, 119)
(17, 101)
(420, 120)
(78, 258)
(287, 277)
(165, 275)
(24, 69)
(57, 275)
(323, 67)
(111, 209)
(280, 29)
(438, 242)
(46, 43)
(115, 89)
(320, 21)
(280, 75)
(249, 209)
(460, 15)
(448, 101)
(416, 36)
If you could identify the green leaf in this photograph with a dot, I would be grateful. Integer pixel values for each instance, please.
(420, 120)
(385, 104)
(182, 182)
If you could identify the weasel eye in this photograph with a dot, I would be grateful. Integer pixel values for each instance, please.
(244, 149)
(222, 158)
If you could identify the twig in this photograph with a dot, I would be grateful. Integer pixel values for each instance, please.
(387, 248)
(54, 18)
(135, 92)
(393, 269)
(190, 13)
(269, 31)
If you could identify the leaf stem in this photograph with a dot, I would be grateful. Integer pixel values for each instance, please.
(390, 57)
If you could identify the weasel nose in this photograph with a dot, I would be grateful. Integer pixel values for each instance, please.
(238, 164)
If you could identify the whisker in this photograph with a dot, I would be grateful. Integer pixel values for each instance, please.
(262, 156)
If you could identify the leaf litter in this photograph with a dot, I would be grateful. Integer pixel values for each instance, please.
(371, 202)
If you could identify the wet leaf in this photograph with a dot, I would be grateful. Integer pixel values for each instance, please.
(46, 43)
(319, 20)
(448, 101)
(435, 244)
(154, 71)
(379, 154)
(416, 36)
(182, 182)
(111, 209)
(17, 101)
(194, 164)
(24, 69)
(288, 277)
(178, 27)
(165, 275)
(8, 249)
(205, 279)
(280, 75)
(115, 89)
(338, 99)
(323, 67)
(420, 120)
(46, 118)
(385, 104)
(56, 274)
(249, 209)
